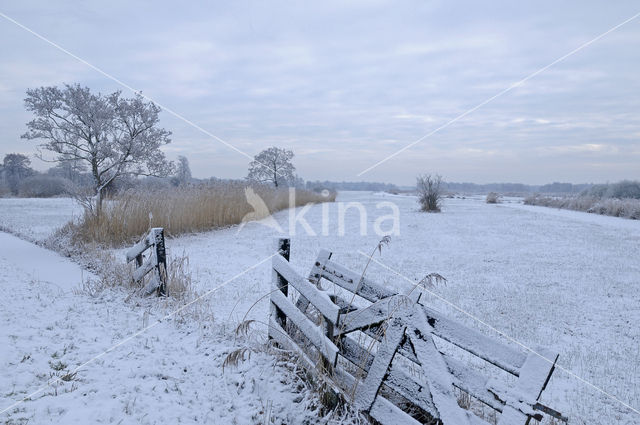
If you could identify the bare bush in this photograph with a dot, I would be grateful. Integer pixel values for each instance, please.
(429, 192)
(492, 198)
(184, 210)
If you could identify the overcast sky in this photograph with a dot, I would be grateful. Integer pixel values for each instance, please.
(346, 84)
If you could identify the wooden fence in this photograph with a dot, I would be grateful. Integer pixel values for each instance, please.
(157, 261)
(395, 358)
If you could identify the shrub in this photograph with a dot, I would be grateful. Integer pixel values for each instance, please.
(184, 210)
(43, 186)
(429, 192)
(492, 198)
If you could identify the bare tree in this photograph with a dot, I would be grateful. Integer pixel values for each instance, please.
(16, 167)
(429, 193)
(273, 165)
(183, 171)
(114, 136)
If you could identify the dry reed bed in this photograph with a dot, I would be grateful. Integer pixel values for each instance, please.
(627, 208)
(186, 210)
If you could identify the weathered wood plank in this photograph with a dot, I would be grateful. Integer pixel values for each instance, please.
(397, 379)
(314, 277)
(374, 314)
(316, 271)
(280, 336)
(434, 370)
(475, 383)
(319, 299)
(349, 280)
(306, 326)
(388, 413)
(144, 243)
(366, 392)
(476, 343)
(534, 376)
(146, 267)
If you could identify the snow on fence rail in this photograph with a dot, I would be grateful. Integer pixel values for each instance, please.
(157, 261)
(393, 356)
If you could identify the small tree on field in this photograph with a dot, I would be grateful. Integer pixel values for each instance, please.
(16, 167)
(114, 136)
(273, 165)
(429, 192)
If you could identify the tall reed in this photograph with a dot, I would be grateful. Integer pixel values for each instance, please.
(189, 209)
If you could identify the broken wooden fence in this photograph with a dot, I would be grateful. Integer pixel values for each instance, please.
(156, 261)
(393, 356)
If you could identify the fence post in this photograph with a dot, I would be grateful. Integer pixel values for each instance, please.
(161, 256)
(284, 249)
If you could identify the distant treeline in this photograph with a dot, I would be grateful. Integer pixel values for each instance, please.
(366, 186)
(517, 188)
(469, 188)
(625, 189)
(620, 199)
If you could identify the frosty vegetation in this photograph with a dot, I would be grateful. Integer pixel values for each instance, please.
(620, 199)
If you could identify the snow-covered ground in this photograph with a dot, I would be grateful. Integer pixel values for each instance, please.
(566, 280)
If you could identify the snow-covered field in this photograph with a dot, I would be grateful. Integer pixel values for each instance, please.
(562, 279)
(34, 219)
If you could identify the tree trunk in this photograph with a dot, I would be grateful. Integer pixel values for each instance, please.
(99, 201)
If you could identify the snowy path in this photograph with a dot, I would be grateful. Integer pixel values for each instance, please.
(170, 374)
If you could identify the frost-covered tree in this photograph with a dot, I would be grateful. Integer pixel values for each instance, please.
(183, 171)
(114, 136)
(273, 165)
(15, 168)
